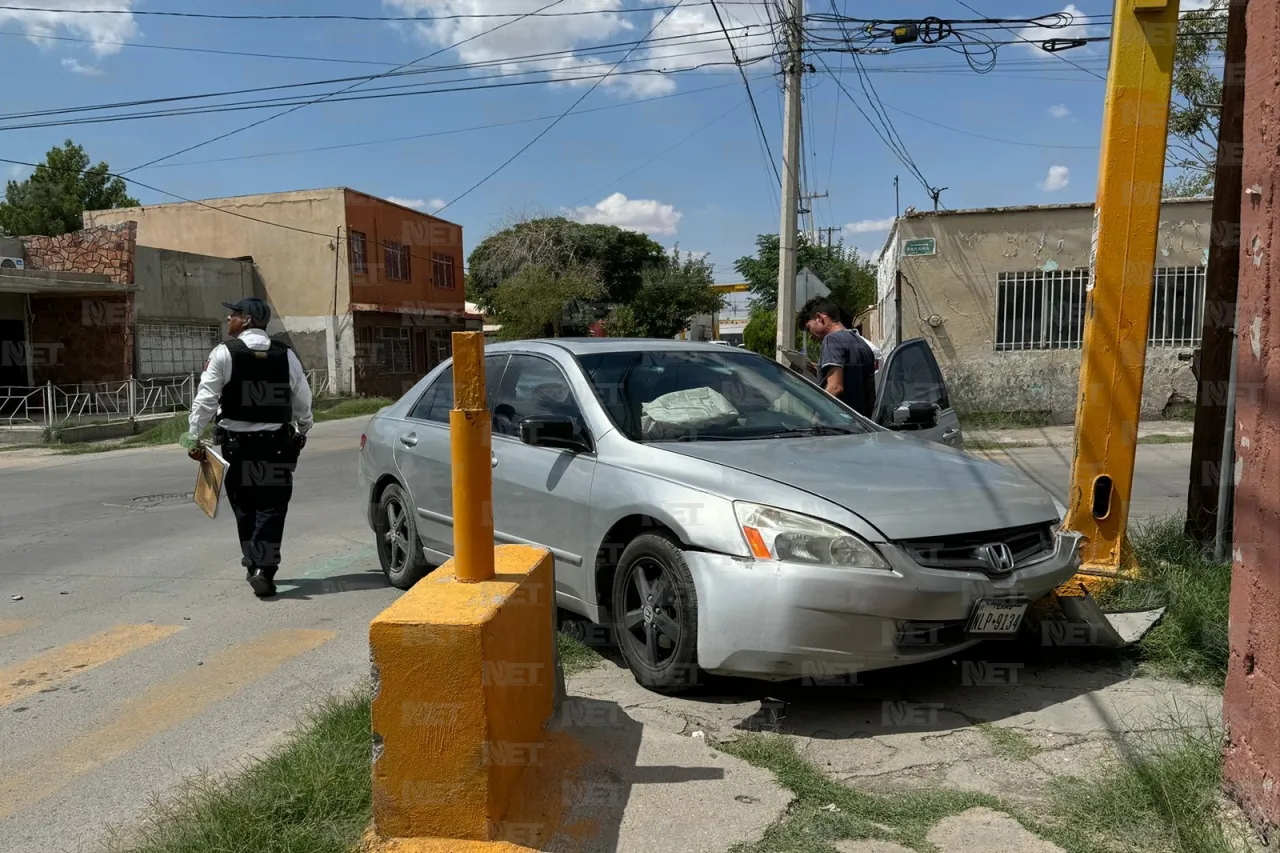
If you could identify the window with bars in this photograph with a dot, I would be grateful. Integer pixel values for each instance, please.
(441, 346)
(388, 348)
(442, 270)
(359, 260)
(396, 261)
(1045, 310)
(174, 349)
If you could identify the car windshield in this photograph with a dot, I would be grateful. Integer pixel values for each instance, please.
(700, 395)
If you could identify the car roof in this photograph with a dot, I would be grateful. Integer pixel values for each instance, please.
(587, 346)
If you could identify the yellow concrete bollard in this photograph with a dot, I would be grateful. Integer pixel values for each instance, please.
(471, 451)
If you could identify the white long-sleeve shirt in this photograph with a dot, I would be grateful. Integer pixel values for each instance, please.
(218, 371)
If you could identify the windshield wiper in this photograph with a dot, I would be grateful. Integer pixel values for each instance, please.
(811, 431)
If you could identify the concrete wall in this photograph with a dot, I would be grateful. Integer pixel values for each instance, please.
(380, 222)
(957, 288)
(298, 265)
(11, 247)
(79, 341)
(185, 286)
(1252, 694)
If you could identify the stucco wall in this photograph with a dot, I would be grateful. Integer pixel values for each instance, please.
(381, 222)
(957, 288)
(185, 286)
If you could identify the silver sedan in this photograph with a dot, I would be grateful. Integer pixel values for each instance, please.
(720, 513)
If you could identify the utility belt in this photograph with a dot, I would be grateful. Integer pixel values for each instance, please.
(286, 441)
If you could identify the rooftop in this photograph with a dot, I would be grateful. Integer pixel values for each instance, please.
(1031, 208)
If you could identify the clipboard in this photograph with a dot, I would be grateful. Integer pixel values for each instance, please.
(209, 482)
(800, 363)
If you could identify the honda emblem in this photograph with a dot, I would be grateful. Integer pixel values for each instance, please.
(998, 557)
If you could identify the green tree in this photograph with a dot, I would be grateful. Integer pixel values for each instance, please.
(53, 199)
(1197, 89)
(540, 301)
(669, 297)
(850, 277)
(619, 257)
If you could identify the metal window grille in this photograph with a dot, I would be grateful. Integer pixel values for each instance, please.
(359, 261)
(174, 349)
(1177, 307)
(385, 348)
(1045, 310)
(396, 261)
(1040, 310)
(442, 270)
(441, 346)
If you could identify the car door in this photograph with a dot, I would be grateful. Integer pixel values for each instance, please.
(910, 374)
(422, 455)
(541, 495)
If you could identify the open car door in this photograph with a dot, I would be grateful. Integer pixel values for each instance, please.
(911, 396)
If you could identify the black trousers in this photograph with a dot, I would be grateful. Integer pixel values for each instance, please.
(259, 484)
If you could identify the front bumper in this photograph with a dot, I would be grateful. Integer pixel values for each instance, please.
(774, 620)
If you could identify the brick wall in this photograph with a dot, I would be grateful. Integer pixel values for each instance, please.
(80, 340)
(108, 250)
(1251, 699)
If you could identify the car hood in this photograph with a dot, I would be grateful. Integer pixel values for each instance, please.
(906, 488)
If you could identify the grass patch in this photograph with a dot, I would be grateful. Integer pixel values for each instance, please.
(981, 445)
(1005, 420)
(336, 408)
(1009, 743)
(312, 795)
(575, 656)
(1190, 641)
(811, 825)
(1162, 795)
(1184, 411)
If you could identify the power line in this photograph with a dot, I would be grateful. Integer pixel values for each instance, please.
(548, 128)
(764, 137)
(293, 109)
(988, 138)
(425, 19)
(1020, 38)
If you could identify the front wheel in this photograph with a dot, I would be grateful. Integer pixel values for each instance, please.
(399, 551)
(655, 608)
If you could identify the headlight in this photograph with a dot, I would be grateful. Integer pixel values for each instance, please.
(776, 534)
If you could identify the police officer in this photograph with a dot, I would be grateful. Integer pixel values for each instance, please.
(256, 392)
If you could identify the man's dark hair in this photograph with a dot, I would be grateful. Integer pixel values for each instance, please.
(821, 305)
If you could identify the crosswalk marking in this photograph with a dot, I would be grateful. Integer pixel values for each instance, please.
(161, 707)
(29, 677)
(13, 626)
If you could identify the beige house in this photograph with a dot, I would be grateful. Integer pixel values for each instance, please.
(999, 294)
(366, 291)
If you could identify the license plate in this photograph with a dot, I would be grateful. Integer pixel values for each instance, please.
(993, 617)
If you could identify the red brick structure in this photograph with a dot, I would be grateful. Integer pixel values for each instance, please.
(1251, 702)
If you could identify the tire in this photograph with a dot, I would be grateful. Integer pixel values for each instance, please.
(396, 534)
(646, 614)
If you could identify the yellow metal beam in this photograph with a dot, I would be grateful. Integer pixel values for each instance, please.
(471, 452)
(1118, 305)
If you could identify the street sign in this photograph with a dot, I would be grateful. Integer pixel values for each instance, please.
(924, 246)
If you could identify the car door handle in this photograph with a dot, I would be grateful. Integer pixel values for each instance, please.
(493, 460)
(409, 440)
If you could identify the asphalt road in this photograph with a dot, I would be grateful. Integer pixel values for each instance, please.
(138, 656)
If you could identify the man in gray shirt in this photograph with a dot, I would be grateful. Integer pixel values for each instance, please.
(846, 363)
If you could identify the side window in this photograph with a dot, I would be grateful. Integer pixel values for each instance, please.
(494, 367)
(532, 387)
(911, 374)
(434, 405)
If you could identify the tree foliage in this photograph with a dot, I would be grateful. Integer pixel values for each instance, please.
(52, 201)
(850, 277)
(669, 297)
(619, 257)
(1197, 89)
(543, 301)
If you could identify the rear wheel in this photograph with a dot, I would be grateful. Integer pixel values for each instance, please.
(399, 550)
(655, 608)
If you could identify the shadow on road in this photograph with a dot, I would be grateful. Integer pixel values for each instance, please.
(306, 588)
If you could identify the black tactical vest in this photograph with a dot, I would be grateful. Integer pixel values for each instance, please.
(258, 390)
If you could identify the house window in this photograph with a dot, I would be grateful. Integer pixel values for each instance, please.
(359, 260)
(1041, 310)
(442, 270)
(1177, 307)
(1045, 310)
(441, 346)
(396, 261)
(174, 349)
(386, 348)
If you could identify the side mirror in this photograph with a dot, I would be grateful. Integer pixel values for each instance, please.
(915, 415)
(558, 431)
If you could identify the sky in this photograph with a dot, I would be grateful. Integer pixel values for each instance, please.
(675, 155)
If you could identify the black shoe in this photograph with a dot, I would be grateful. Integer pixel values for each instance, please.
(263, 586)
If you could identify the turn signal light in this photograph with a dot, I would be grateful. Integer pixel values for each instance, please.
(362, 441)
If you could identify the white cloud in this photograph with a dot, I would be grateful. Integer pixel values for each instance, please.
(1058, 178)
(1194, 5)
(99, 29)
(1059, 111)
(1080, 28)
(869, 226)
(686, 31)
(434, 204)
(640, 214)
(415, 203)
(74, 66)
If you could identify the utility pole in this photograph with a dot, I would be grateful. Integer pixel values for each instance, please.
(897, 200)
(1209, 444)
(810, 230)
(828, 232)
(790, 185)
